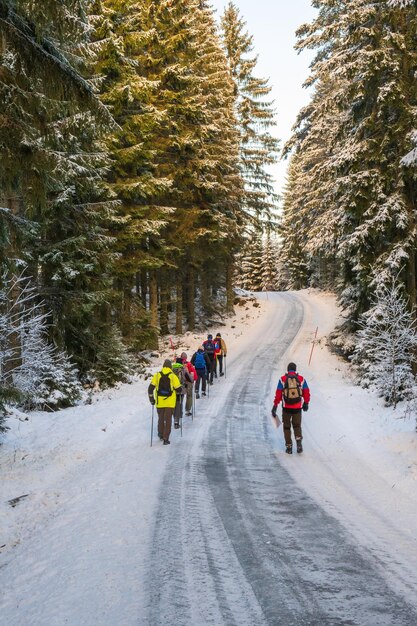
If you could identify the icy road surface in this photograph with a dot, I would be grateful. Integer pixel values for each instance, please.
(237, 542)
(221, 528)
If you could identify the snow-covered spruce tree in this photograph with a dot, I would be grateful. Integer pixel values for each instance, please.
(167, 82)
(366, 50)
(220, 191)
(124, 36)
(113, 361)
(255, 115)
(46, 378)
(33, 373)
(251, 271)
(294, 229)
(270, 263)
(52, 166)
(387, 340)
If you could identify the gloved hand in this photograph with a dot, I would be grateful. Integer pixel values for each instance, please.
(152, 400)
(305, 406)
(274, 410)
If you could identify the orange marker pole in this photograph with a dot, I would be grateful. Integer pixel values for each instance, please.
(312, 347)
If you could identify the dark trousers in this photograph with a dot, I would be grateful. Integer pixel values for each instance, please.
(220, 360)
(164, 422)
(201, 375)
(291, 420)
(212, 369)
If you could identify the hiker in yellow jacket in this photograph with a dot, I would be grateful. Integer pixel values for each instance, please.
(162, 392)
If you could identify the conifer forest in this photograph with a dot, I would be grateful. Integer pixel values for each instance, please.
(137, 187)
(136, 141)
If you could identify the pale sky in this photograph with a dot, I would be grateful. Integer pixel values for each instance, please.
(273, 24)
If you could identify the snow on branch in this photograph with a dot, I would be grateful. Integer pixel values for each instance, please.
(387, 340)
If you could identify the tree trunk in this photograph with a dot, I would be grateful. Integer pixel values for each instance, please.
(204, 294)
(190, 300)
(153, 306)
(178, 310)
(144, 288)
(153, 296)
(230, 294)
(163, 308)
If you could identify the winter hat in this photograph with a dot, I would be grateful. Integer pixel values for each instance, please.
(209, 336)
(291, 367)
(179, 360)
(184, 356)
(218, 335)
(167, 363)
(201, 348)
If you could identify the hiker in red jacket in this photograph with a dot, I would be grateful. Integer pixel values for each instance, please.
(293, 392)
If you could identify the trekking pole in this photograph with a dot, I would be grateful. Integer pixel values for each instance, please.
(194, 404)
(225, 367)
(208, 386)
(152, 426)
(181, 406)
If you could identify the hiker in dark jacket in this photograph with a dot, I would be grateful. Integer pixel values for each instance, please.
(209, 346)
(293, 392)
(162, 392)
(201, 362)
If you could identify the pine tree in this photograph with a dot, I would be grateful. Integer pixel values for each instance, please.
(270, 264)
(386, 344)
(33, 373)
(255, 115)
(51, 174)
(365, 56)
(168, 85)
(251, 275)
(294, 228)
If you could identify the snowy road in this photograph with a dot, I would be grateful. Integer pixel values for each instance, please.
(236, 541)
(221, 528)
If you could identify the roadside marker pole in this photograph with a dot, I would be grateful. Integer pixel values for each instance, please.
(313, 346)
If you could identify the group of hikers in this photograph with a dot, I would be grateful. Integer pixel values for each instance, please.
(182, 379)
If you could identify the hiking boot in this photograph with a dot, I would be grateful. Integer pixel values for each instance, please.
(204, 393)
(288, 449)
(188, 413)
(221, 373)
(176, 425)
(197, 396)
(160, 436)
(166, 442)
(299, 447)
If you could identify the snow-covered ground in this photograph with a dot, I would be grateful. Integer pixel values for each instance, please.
(76, 550)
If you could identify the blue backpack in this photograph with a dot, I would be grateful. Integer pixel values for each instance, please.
(200, 362)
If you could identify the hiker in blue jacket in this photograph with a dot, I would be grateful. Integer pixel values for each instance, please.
(201, 362)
